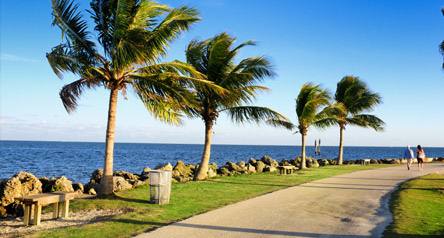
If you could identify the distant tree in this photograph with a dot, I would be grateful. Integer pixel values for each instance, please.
(133, 35)
(214, 58)
(311, 108)
(352, 99)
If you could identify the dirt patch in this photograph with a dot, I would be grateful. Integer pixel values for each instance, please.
(13, 227)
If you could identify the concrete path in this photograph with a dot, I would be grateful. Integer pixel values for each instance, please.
(350, 205)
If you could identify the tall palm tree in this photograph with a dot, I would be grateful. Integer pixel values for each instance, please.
(133, 35)
(214, 58)
(353, 99)
(310, 109)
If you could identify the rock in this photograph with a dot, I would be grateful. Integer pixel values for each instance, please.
(78, 187)
(62, 184)
(19, 185)
(167, 167)
(374, 161)
(269, 161)
(3, 212)
(242, 165)
(120, 184)
(145, 173)
(212, 166)
(332, 162)
(92, 191)
(285, 163)
(126, 175)
(269, 168)
(211, 173)
(252, 161)
(311, 163)
(323, 162)
(251, 169)
(223, 171)
(260, 166)
(180, 169)
(96, 176)
(233, 167)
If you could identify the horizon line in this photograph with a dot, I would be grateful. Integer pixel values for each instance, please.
(164, 143)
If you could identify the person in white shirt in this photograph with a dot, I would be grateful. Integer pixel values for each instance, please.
(408, 154)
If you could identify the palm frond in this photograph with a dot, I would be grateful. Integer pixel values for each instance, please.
(69, 20)
(70, 93)
(242, 114)
(366, 120)
(281, 123)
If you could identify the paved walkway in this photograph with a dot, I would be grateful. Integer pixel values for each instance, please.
(350, 205)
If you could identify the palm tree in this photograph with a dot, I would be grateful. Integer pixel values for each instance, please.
(133, 35)
(214, 59)
(309, 103)
(353, 99)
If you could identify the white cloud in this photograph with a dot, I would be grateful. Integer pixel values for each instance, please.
(16, 58)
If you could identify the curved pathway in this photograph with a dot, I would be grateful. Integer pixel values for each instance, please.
(350, 205)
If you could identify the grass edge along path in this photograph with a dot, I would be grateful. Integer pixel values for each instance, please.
(187, 199)
(418, 208)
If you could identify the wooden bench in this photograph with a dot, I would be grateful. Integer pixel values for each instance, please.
(33, 204)
(286, 169)
(365, 162)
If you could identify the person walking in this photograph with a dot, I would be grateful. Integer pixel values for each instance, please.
(408, 154)
(420, 156)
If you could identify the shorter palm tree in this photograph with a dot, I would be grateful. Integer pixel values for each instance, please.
(311, 107)
(353, 98)
(214, 59)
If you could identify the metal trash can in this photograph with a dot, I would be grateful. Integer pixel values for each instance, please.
(160, 186)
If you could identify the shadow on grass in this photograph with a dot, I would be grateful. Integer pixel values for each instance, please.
(249, 183)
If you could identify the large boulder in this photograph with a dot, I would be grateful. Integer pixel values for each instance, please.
(252, 161)
(223, 171)
(312, 163)
(145, 173)
(126, 175)
(233, 167)
(19, 185)
(260, 166)
(121, 184)
(374, 161)
(269, 168)
(211, 173)
(78, 188)
(251, 169)
(181, 170)
(269, 161)
(62, 184)
(323, 162)
(167, 167)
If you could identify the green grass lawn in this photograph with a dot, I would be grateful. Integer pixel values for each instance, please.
(418, 208)
(187, 199)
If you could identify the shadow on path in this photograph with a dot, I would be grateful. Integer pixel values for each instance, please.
(261, 231)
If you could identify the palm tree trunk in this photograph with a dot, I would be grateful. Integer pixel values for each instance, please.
(107, 180)
(341, 145)
(303, 164)
(202, 171)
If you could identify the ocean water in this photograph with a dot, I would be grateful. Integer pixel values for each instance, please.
(77, 160)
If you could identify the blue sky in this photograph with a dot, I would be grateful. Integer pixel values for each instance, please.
(392, 45)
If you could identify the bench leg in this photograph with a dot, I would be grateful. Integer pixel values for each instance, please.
(65, 209)
(37, 214)
(27, 215)
(55, 213)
